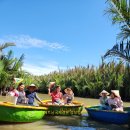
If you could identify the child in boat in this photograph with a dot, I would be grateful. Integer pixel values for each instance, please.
(13, 93)
(68, 96)
(56, 95)
(115, 102)
(22, 97)
(31, 94)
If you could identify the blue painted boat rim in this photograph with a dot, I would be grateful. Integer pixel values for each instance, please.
(107, 111)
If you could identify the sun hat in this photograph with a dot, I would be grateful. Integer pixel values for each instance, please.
(32, 85)
(116, 93)
(104, 91)
(67, 89)
(51, 84)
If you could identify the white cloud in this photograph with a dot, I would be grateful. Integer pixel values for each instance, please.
(56, 46)
(26, 41)
(41, 70)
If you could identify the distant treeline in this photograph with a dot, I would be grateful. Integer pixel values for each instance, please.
(90, 81)
(85, 81)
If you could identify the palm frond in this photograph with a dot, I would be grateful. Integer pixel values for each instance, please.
(121, 50)
(18, 64)
(119, 10)
(1, 66)
(124, 34)
(5, 45)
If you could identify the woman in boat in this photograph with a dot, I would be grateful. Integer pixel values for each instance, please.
(31, 95)
(56, 95)
(14, 93)
(115, 102)
(22, 97)
(68, 96)
(104, 97)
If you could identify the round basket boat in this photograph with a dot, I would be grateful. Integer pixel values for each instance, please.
(62, 110)
(108, 115)
(18, 113)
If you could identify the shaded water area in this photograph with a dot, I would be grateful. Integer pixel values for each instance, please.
(65, 122)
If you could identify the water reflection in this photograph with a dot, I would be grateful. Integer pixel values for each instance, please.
(63, 123)
(81, 123)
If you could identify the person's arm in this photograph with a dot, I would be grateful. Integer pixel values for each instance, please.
(100, 100)
(16, 95)
(49, 91)
(120, 103)
(37, 98)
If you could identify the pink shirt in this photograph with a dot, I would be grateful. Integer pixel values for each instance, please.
(56, 96)
(116, 101)
(14, 93)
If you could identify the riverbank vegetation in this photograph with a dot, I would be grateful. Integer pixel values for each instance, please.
(86, 81)
(11, 67)
(90, 81)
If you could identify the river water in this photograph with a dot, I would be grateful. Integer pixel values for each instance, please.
(65, 123)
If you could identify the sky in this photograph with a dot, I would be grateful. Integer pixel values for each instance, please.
(56, 34)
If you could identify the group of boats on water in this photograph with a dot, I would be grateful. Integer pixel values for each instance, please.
(19, 113)
(23, 114)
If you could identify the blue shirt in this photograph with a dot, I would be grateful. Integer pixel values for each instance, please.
(31, 96)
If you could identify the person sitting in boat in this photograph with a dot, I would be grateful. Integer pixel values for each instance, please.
(14, 93)
(31, 94)
(68, 96)
(22, 97)
(115, 102)
(104, 97)
(56, 95)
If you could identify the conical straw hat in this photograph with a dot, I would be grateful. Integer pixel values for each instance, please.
(104, 91)
(116, 93)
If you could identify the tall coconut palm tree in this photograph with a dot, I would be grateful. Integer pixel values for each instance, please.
(3, 46)
(119, 10)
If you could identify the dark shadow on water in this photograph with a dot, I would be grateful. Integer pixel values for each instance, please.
(82, 123)
(63, 123)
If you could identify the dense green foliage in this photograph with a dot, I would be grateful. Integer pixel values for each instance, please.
(11, 67)
(90, 81)
(86, 81)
